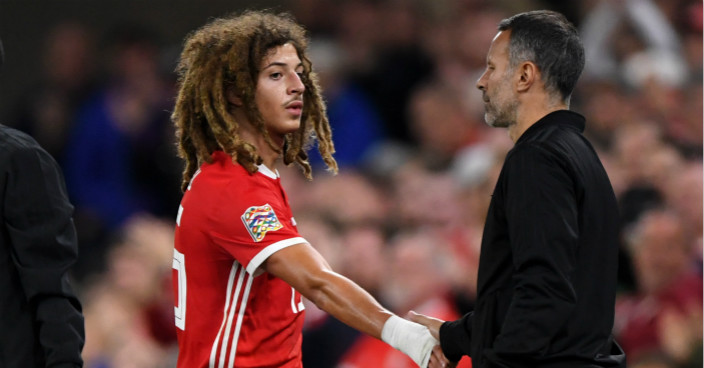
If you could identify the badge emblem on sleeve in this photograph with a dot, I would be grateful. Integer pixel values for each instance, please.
(259, 220)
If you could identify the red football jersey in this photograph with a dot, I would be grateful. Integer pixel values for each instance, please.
(230, 313)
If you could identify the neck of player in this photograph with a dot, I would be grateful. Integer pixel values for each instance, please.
(250, 134)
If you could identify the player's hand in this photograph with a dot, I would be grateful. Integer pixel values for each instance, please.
(438, 359)
(433, 324)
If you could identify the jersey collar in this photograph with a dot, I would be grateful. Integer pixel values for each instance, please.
(268, 172)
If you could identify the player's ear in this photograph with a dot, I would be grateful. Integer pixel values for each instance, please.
(528, 72)
(232, 97)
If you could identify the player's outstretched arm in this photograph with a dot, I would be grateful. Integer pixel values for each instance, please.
(302, 267)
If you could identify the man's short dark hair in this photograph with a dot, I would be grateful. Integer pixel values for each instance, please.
(549, 40)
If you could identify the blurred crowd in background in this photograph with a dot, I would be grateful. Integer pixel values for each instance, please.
(404, 217)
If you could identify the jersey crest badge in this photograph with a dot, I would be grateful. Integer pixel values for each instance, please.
(259, 220)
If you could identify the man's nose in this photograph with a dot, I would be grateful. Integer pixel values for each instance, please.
(297, 85)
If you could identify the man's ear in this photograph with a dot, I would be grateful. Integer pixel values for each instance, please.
(528, 74)
(232, 97)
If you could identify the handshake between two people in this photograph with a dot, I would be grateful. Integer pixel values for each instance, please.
(419, 340)
(436, 357)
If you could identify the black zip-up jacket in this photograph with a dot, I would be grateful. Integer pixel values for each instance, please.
(41, 323)
(547, 272)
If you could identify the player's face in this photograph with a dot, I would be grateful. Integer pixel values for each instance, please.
(279, 93)
(500, 102)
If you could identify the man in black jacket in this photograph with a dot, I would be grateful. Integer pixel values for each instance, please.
(547, 273)
(41, 324)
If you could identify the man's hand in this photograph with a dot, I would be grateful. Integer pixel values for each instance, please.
(437, 358)
(433, 324)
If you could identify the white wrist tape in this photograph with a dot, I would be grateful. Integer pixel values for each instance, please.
(410, 338)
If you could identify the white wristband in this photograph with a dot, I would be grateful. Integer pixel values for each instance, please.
(411, 338)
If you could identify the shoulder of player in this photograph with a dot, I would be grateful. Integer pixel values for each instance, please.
(232, 183)
(228, 171)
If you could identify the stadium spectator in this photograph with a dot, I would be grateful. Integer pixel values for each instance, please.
(47, 110)
(120, 160)
(664, 314)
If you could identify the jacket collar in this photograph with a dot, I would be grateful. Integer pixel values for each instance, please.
(559, 117)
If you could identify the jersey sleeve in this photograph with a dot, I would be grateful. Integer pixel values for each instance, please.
(253, 223)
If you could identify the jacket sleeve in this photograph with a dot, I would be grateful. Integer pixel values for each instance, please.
(455, 337)
(542, 216)
(44, 246)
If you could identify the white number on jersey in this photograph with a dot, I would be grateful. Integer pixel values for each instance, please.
(179, 265)
(297, 308)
